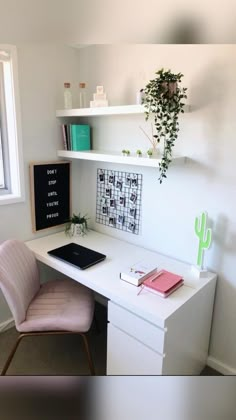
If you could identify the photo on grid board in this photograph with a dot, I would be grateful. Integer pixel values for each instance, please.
(111, 179)
(128, 181)
(122, 200)
(119, 184)
(112, 203)
(103, 200)
(133, 197)
(112, 221)
(132, 212)
(105, 210)
(131, 226)
(120, 219)
(134, 182)
(101, 177)
(108, 192)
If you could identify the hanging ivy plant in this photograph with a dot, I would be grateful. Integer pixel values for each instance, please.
(163, 97)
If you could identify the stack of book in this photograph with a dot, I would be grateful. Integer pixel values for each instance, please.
(76, 137)
(138, 272)
(163, 283)
(146, 275)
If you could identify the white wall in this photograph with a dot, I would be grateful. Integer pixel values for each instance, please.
(42, 71)
(206, 182)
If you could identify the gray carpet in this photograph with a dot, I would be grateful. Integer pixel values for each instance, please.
(60, 355)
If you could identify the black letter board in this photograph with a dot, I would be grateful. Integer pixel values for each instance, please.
(50, 194)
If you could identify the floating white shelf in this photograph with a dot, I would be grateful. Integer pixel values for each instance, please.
(105, 156)
(108, 110)
(115, 157)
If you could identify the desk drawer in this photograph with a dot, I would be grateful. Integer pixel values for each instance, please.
(127, 356)
(136, 327)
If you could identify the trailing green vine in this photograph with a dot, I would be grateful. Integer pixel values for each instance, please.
(163, 97)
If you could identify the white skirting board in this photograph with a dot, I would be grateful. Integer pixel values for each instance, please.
(220, 367)
(6, 325)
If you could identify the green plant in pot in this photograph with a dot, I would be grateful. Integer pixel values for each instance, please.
(77, 225)
(149, 153)
(163, 97)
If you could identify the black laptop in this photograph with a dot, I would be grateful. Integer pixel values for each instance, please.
(77, 255)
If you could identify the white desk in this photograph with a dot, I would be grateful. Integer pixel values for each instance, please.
(146, 334)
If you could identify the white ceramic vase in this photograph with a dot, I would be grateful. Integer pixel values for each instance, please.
(76, 229)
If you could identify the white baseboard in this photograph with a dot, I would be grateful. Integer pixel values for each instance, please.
(220, 367)
(6, 325)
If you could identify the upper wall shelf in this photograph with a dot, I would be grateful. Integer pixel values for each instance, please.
(108, 110)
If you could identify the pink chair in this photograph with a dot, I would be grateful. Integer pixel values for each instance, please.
(56, 307)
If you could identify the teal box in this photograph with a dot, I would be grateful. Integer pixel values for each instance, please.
(80, 137)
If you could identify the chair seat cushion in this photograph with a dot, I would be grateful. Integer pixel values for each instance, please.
(63, 305)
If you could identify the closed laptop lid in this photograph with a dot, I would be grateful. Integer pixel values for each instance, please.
(77, 255)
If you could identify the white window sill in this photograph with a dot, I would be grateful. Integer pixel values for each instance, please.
(11, 199)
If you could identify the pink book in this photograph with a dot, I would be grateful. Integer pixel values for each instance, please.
(164, 295)
(163, 282)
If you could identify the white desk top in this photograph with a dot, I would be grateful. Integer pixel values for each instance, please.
(104, 277)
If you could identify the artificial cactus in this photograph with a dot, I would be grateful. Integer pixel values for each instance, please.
(203, 235)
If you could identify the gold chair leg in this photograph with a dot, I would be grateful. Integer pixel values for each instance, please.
(11, 355)
(88, 353)
(21, 336)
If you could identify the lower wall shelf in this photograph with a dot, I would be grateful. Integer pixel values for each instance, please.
(116, 157)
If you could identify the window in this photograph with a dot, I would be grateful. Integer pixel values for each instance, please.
(11, 162)
(2, 178)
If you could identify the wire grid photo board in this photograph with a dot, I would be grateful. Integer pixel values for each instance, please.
(119, 199)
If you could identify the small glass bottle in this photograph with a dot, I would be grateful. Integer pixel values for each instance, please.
(139, 97)
(82, 95)
(67, 96)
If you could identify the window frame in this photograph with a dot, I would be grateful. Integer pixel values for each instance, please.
(11, 133)
(2, 165)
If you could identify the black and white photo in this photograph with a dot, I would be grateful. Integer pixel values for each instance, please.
(119, 184)
(131, 226)
(134, 182)
(133, 197)
(112, 221)
(128, 181)
(103, 200)
(121, 219)
(101, 177)
(111, 179)
(112, 203)
(105, 210)
(122, 200)
(132, 212)
(108, 192)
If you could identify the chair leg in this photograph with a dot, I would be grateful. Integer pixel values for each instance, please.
(10, 357)
(88, 353)
(21, 336)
